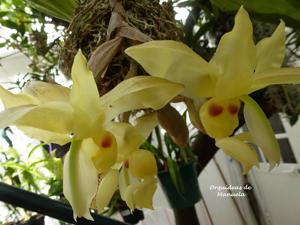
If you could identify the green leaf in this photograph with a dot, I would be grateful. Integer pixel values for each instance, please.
(56, 187)
(3, 13)
(175, 175)
(56, 8)
(293, 119)
(10, 24)
(2, 44)
(268, 10)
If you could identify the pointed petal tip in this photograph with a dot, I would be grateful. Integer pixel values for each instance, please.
(242, 11)
(272, 165)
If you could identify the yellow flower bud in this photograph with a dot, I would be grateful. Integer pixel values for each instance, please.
(142, 164)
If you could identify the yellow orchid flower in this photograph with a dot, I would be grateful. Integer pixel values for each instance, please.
(137, 178)
(50, 112)
(237, 68)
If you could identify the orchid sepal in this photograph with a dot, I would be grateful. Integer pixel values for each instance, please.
(78, 171)
(261, 130)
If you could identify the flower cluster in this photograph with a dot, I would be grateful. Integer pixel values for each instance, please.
(105, 155)
(238, 68)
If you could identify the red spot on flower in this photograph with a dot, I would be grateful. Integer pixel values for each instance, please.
(233, 109)
(106, 142)
(126, 163)
(215, 109)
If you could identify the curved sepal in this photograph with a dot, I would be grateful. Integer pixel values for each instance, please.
(235, 58)
(107, 187)
(52, 116)
(138, 93)
(239, 151)
(12, 100)
(176, 62)
(131, 137)
(84, 98)
(46, 136)
(270, 51)
(140, 195)
(261, 130)
(80, 181)
(276, 76)
(46, 92)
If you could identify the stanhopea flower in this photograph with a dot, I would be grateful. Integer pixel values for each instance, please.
(238, 68)
(52, 113)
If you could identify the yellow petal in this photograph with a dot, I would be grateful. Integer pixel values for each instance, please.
(143, 196)
(80, 181)
(11, 115)
(84, 99)
(239, 151)
(123, 182)
(261, 130)
(176, 62)
(127, 137)
(220, 117)
(130, 138)
(140, 195)
(52, 116)
(126, 179)
(270, 51)
(46, 92)
(235, 58)
(276, 76)
(137, 93)
(142, 164)
(45, 136)
(193, 107)
(245, 137)
(11, 100)
(144, 125)
(106, 189)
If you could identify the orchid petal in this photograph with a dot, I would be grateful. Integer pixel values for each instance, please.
(140, 195)
(239, 151)
(126, 179)
(276, 76)
(47, 92)
(106, 189)
(52, 116)
(261, 130)
(176, 62)
(145, 124)
(137, 93)
(193, 107)
(245, 136)
(130, 138)
(123, 182)
(80, 181)
(12, 100)
(235, 74)
(84, 98)
(46, 136)
(11, 115)
(142, 164)
(270, 51)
